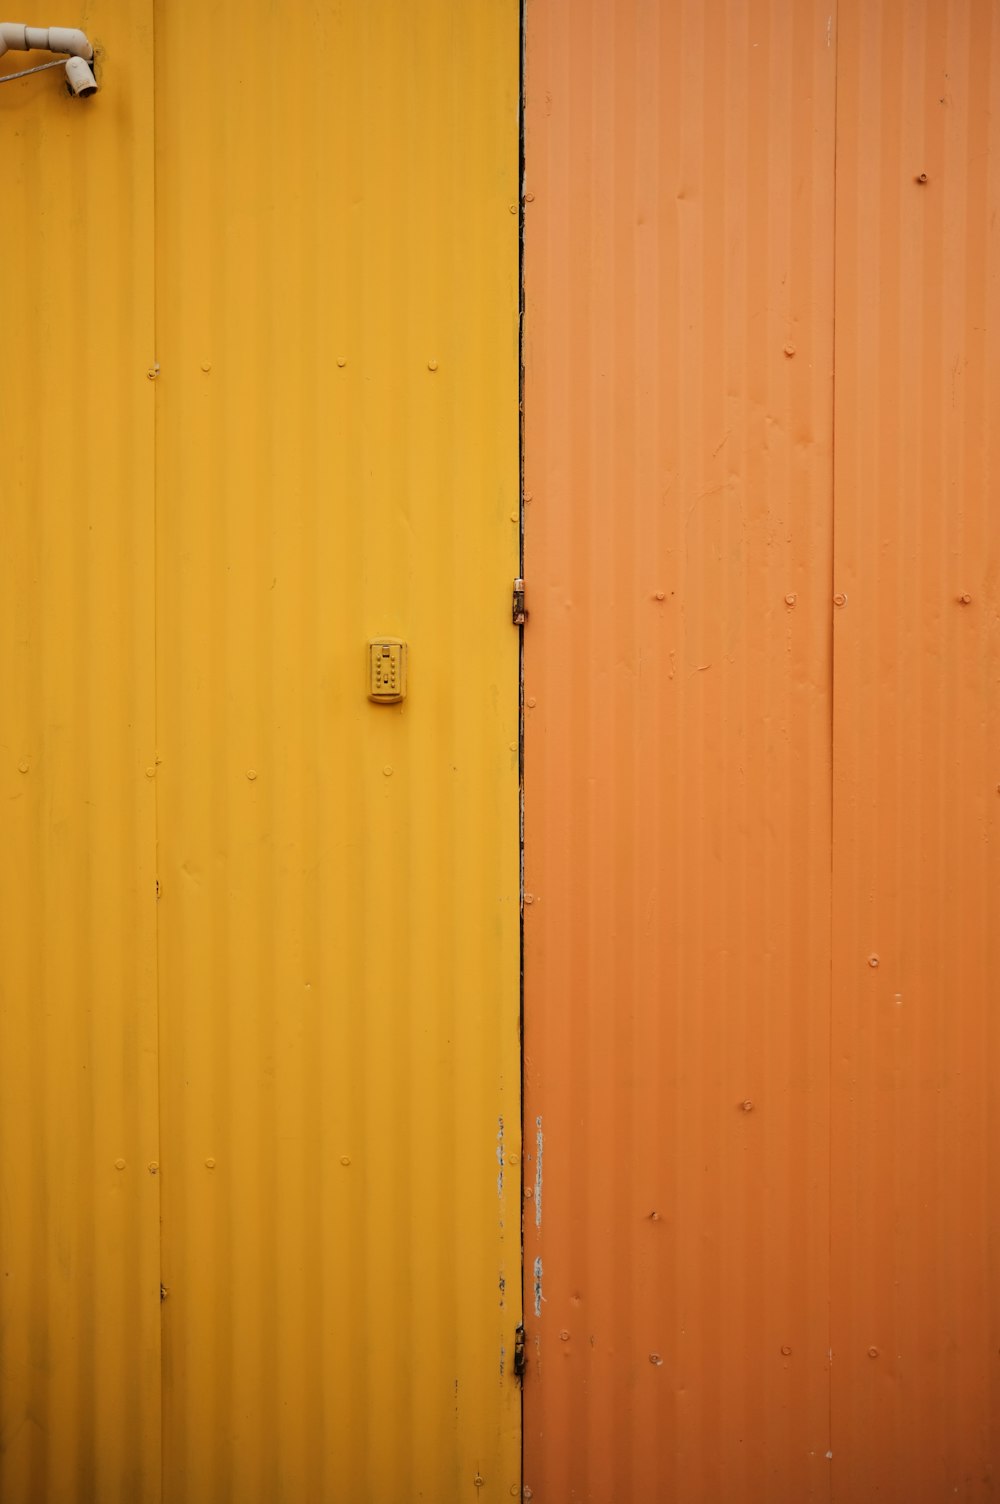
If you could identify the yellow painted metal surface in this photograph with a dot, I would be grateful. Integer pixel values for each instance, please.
(337, 460)
(259, 396)
(79, 1228)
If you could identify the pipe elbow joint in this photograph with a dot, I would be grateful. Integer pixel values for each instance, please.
(44, 39)
(80, 78)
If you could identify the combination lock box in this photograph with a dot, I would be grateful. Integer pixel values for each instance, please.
(386, 670)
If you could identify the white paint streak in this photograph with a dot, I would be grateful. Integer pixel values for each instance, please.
(500, 1158)
(538, 1287)
(539, 1142)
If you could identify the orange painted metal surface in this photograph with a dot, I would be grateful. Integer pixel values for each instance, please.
(678, 551)
(916, 1036)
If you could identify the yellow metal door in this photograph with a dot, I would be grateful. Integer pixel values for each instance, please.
(79, 1193)
(337, 459)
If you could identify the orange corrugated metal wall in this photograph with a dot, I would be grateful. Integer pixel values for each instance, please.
(916, 754)
(760, 717)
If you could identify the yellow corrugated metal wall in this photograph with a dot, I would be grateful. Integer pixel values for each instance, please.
(337, 457)
(79, 1231)
(327, 372)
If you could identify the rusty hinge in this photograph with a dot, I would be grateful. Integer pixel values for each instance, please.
(520, 1358)
(517, 605)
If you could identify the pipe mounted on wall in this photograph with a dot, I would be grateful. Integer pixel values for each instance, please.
(79, 73)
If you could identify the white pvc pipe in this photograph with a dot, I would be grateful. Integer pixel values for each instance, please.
(44, 39)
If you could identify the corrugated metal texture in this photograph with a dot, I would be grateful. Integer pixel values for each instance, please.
(917, 844)
(79, 1227)
(337, 458)
(678, 518)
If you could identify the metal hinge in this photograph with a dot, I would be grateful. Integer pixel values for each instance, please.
(520, 1358)
(517, 604)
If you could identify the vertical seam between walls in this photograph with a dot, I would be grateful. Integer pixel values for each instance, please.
(156, 738)
(521, 108)
(833, 712)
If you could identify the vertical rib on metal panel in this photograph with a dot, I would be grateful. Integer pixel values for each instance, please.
(79, 1224)
(678, 407)
(916, 831)
(337, 317)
